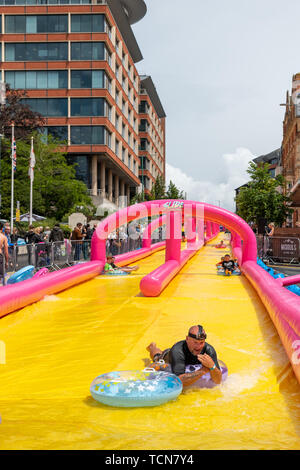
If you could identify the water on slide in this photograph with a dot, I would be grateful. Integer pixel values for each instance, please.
(56, 347)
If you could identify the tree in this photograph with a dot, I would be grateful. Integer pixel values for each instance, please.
(173, 192)
(158, 190)
(264, 197)
(14, 111)
(55, 188)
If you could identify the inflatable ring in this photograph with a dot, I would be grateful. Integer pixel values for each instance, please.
(118, 272)
(136, 388)
(205, 381)
(21, 275)
(234, 273)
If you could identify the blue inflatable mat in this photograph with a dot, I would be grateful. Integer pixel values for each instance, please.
(21, 275)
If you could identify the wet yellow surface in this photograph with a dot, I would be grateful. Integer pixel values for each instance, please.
(55, 348)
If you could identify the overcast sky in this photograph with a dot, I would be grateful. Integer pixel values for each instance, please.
(221, 70)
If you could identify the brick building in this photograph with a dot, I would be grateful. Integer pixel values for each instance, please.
(77, 61)
(290, 154)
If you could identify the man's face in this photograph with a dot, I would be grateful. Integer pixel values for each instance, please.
(195, 345)
(227, 258)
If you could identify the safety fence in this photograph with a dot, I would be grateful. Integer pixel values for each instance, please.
(278, 249)
(58, 255)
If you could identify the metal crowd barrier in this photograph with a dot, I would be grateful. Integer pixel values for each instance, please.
(278, 249)
(57, 255)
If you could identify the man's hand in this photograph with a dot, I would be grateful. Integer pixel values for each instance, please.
(206, 360)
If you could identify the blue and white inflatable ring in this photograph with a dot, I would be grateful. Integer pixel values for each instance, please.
(136, 388)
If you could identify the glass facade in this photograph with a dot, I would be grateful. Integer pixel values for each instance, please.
(82, 167)
(58, 132)
(82, 135)
(89, 79)
(87, 107)
(30, 24)
(39, 79)
(48, 106)
(88, 23)
(89, 51)
(34, 51)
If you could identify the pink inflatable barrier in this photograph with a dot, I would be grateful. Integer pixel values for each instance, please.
(16, 296)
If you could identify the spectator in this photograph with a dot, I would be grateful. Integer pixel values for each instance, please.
(3, 253)
(47, 234)
(29, 239)
(115, 244)
(57, 238)
(14, 240)
(76, 238)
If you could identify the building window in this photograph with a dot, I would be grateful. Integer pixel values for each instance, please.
(123, 154)
(51, 79)
(82, 167)
(87, 106)
(48, 106)
(89, 51)
(143, 107)
(31, 24)
(35, 51)
(92, 135)
(89, 79)
(88, 23)
(143, 127)
(144, 145)
(58, 132)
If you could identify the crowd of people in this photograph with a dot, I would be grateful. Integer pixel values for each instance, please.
(46, 246)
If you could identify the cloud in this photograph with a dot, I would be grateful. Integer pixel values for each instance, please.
(234, 166)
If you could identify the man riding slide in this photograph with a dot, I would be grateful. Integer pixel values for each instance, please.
(191, 351)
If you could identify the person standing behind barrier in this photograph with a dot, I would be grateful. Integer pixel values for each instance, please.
(57, 237)
(76, 238)
(29, 239)
(3, 254)
(85, 245)
(115, 244)
(14, 240)
(269, 242)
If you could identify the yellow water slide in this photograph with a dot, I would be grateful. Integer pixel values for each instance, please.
(56, 347)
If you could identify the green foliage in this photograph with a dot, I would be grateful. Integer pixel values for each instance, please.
(159, 192)
(263, 197)
(173, 192)
(55, 188)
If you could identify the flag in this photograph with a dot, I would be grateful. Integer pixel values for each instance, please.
(14, 153)
(31, 162)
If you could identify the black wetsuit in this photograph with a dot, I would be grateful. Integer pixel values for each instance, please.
(180, 357)
(229, 265)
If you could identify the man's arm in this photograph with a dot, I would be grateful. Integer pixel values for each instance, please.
(191, 377)
(208, 362)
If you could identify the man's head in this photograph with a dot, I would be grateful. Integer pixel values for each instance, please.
(110, 259)
(195, 339)
(57, 225)
(79, 225)
(226, 257)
